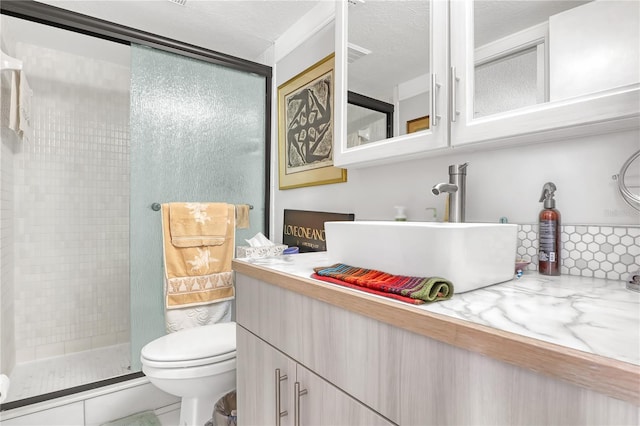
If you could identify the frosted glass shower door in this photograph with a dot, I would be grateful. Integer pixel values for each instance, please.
(197, 134)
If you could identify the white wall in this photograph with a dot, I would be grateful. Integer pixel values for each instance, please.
(500, 182)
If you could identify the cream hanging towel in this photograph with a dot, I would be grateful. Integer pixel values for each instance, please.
(198, 268)
(199, 224)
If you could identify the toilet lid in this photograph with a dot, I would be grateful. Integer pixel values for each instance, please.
(197, 343)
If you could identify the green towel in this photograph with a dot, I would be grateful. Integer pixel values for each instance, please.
(146, 418)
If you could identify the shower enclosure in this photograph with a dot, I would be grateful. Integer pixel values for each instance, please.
(116, 128)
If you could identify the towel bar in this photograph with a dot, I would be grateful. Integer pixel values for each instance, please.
(156, 207)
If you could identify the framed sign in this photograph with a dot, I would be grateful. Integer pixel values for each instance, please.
(305, 128)
(305, 229)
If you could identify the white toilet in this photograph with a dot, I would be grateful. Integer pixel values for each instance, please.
(197, 364)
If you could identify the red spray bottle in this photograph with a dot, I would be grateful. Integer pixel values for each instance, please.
(549, 233)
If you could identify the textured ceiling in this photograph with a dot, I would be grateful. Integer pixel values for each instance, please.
(242, 28)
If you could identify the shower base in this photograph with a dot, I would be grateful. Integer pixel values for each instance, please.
(57, 373)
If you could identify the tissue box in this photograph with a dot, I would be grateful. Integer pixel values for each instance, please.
(266, 251)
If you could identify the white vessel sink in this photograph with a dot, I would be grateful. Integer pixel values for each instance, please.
(470, 255)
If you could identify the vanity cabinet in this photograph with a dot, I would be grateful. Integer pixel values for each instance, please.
(275, 390)
(327, 341)
(361, 370)
(498, 73)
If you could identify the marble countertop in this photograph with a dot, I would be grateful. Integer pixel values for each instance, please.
(592, 315)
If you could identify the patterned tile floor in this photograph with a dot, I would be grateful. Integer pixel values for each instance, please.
(53, 374)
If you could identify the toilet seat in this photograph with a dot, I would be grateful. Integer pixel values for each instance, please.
(193, 347)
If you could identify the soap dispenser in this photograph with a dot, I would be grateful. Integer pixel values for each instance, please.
(400, 214)
(549, 233)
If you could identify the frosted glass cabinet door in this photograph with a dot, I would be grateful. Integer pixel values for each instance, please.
(523, 67)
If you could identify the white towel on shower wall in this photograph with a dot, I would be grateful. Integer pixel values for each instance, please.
(182, 318)
(26, 115)
(20, 106)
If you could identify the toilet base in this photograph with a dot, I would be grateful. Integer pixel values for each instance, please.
(198, 410)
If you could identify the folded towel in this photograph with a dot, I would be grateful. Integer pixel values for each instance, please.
(14, 103)
(20, 106)
(415, 290)
(25, 108)
(199, 224)
(242, 216)
(198, 275)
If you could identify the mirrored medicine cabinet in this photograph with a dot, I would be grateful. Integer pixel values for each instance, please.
(478, 72)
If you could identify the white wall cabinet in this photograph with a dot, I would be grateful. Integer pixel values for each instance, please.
(403, 146)
(610, 105)
(360, 371)
(597, 94)
(274, 390)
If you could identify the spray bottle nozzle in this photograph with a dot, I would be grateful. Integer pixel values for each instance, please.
(548, 191)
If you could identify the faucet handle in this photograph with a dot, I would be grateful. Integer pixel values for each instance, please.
(458, 169)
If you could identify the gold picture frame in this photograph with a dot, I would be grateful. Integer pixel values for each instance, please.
(305, 128)
(417, 124)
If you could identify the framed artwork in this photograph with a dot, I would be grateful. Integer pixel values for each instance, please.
(305, 128)
(417, 124)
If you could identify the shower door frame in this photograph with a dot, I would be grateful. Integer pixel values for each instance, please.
(31, 10)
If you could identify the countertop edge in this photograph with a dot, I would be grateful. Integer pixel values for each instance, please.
(612, 377)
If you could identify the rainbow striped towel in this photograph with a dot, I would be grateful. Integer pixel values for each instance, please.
(414, 290)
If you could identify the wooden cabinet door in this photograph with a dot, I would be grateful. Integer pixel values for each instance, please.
(321, 403)
(257, 384)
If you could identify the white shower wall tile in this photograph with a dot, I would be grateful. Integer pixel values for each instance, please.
(72, 207)
(7, 220)
(611, 252)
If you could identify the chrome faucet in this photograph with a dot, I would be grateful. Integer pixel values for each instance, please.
(457, 189)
